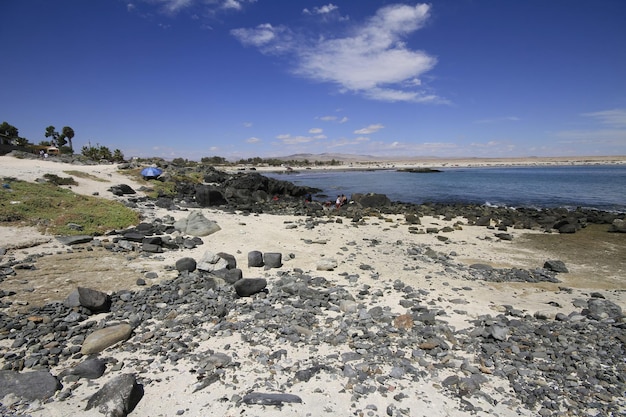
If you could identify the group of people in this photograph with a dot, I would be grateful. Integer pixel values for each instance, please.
(341, 201)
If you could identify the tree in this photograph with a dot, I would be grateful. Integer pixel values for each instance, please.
(8, 130)
(52, 133)
(68, 133)
(118, 156)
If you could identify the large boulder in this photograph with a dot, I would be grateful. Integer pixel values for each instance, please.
(118, 397)
(196, 225)
(31, 386)
(246, 287)
(618, 226)
(371, 200)
(94, 300)
(208, 196)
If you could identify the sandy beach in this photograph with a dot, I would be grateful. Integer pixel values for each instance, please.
(371, 258)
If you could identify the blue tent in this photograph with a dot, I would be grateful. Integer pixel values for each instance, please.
(151, 172)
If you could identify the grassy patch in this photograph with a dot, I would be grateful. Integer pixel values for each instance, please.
(164, 188)
(55, 179)
(86, 175)
(51, 208)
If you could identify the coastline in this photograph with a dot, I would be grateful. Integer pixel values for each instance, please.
(372, 258)
(349, 164)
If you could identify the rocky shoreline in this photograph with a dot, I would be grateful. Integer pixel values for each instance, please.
(369, 324)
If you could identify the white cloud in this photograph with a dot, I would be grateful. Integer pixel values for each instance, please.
(373, 60)
(498, 120)
(287, 139)
(369, 130)
(208, 7)
(615, 117)
(329, 8)
(174, 6)
(270, 39)
(315, 131)
(253, 140)
(344, 119)
(247, 124)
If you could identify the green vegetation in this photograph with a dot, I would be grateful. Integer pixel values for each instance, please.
(81, 174)
(164, 188)
(278, 162)
(56, 180)
(51, 209)
(99, 153)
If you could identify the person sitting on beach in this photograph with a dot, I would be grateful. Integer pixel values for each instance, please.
(344, 200)
(338, 202)
(308, 198)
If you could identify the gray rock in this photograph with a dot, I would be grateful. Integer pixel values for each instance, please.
(600, 309)
(270, 398)
(618, 226)
(255, 259)
(186, 264)
(38, 385)
(273, 259)
(118, 397)
(74, 240)
(212, 262)
(94, 300)
(555, 266)
(326, 264)
(196, 225)
(499, 332)
(90, 369)
(246, 287)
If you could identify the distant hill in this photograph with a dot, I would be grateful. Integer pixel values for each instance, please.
(326, 157)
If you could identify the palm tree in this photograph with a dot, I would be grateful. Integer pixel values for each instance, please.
(68, 132)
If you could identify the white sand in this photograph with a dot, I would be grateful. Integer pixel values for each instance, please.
(170, 388)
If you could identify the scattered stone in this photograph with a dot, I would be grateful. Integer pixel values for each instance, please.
(270, 398)
(118, 397)
(326, 264)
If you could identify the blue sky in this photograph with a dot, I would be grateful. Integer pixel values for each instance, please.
(243, 78)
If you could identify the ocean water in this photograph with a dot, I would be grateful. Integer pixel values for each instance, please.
(600, 187)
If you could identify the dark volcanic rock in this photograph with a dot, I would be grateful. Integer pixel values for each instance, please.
(270, 398)
(94, 300)
(556, 266)
(208, 196)
(186, 264)
(38, 385)
(255, 259)
(371, 200)
(246, 287)
(272, 259)
(90, 369)
(118, 397)
(74, 240)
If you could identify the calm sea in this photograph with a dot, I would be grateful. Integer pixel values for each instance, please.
(599, 186)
